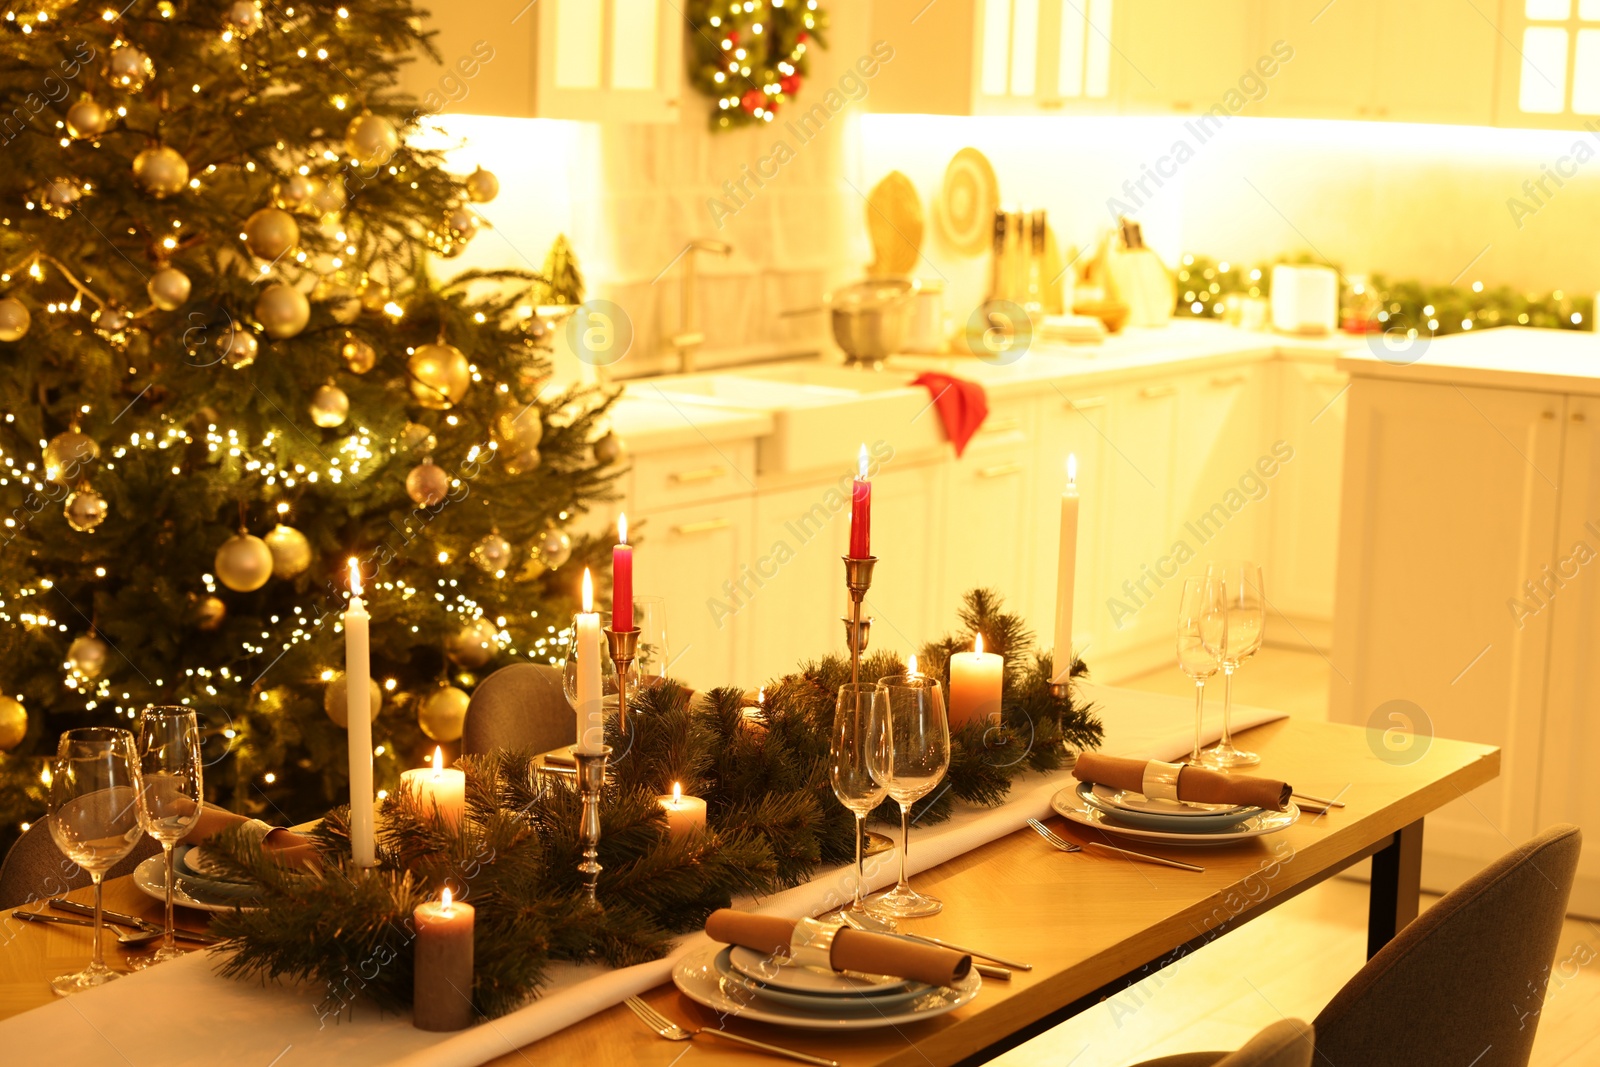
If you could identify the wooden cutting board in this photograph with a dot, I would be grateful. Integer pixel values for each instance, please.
(895, 224)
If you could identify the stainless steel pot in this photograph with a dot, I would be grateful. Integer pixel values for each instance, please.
(871, 317)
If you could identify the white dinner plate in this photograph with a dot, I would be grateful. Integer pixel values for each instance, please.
(1128, 800)
(769, 971)
(151, 878)
(814, 1002)
(1180, 824)
(698, 978)
(1074, 808)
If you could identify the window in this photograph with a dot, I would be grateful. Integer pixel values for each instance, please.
(1011, 39)
(1560, 57)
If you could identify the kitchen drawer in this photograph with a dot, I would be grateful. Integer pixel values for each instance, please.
(693, 475)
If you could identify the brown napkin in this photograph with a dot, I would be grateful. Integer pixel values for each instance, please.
(853, 950)
(1195, 784)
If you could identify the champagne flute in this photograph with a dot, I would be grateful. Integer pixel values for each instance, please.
(910, 758)
(170, 797)
(94, 819)
(1202, 637)
(856, 730)
(1246, 603)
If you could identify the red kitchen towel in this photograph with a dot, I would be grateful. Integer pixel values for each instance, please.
(962, 406)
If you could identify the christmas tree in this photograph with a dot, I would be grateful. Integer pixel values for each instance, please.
(227, 367)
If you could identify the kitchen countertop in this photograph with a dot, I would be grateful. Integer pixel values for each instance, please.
(649, 421)
(1510, 357)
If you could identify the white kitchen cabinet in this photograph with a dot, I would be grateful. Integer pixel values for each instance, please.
(1549, 65)
(591, 60)
(1073, 424)
(908, 602)
(692, 556)
(1334, 67)
(1450, 504)
(1179, 57)
(1312, 401)
(1220, 489)
(990, 500)
(798, 593)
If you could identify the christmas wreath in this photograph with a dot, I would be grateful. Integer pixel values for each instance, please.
(751, 56)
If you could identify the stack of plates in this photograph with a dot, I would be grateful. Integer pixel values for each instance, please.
(728, 978)
(1173, 821)
(201, 883)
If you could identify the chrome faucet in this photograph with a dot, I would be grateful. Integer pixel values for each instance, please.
(687, 341)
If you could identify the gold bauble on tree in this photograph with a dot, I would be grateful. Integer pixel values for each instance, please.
(129, 69)
(59, 196)
(240, 349)
(482, 186)
(298, 192)
(553, 548)
(243, 563)
(87, 655)
(462, 223)
(330, 197)
(329, 407)
(169, 289)
(282, 310)
(87, 119)
(473, 645)
(68, 455)
(208, 613)
(13, 723)
(371, 139)
(518, 430)
(336, 699)
(271, 232)
(359, 357)
(160, 171)
(427, 483)
(493, 554)
(610, 449)
(291, 552)
(243, 18)
(85, 510)
(14, 319)
(440, 375)
(443, 713)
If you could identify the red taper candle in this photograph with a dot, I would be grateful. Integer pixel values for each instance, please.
(861, 511)
(622, 578)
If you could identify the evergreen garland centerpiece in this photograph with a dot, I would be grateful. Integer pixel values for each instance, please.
(751, 56)
(772, 822)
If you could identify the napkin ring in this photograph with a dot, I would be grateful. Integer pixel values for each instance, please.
(811, 944)
(257, 830)
(1161, 780)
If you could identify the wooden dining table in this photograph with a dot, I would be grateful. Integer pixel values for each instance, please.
(1090, 923)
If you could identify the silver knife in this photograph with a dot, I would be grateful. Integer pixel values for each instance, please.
(1145, 857)
(72, 907)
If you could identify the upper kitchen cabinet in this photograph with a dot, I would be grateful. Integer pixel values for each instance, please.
(1550, 65)
(1176, 56)
(591, 60)
(995, 57)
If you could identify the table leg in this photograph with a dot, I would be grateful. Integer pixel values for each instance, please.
(1396, 887)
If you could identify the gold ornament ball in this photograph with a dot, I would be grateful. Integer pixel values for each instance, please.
(243, 18)
(359, 357)
(14, 319)
(336, 700)
(329, 407)
(209, 611)
(473, 645)
(13, 724)
(60, 196)
(87, 655)
(241, 350)
(517, 428)
(291, 552)
(271, 232)
(129, 69)
(610, 450)
(86, 119)
(169, 289)
(482, 186)
(110, 320)
(427, 483)
(85, 510)
(462, 223)
(371, 139)
(517, 464)
(440, 375)
(68, 455)
(415, 437)
(299, 191)
(160, 171)
(329, 198)
(443, 713)
(283, 311)
(554, 548)
(244, 563)
(493, 554)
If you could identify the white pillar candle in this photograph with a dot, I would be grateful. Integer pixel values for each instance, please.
(975, 686)
(590, 695)
(358, 677)
(685, 815)
(439, 785)
(1066, 575)
(441, 990)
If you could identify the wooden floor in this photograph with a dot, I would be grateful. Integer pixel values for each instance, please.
(1291, 961)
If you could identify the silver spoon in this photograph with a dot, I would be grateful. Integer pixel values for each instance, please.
(126, 940)
(875, 924)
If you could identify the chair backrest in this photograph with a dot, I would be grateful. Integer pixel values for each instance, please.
(35, 869)
(1465, 981)
(520, 706)
(1286, 1043)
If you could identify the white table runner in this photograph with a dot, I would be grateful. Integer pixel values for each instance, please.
(183, 1012)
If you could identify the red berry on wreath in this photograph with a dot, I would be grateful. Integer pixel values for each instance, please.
(733, 36)
(751, 100)
(790, 84)
(802, 37)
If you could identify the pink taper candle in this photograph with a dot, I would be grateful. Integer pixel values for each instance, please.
(861, 511)
(622, 578)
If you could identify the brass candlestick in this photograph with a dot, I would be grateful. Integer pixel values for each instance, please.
(857, 579)
(624, 646)
(852, 629)
(591, 780)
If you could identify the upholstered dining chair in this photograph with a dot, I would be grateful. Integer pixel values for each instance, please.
(520, 706)
(35, 869)
(1286, 1043)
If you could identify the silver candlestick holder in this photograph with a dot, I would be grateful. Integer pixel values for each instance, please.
(591, 780)
(624, 646)
(857, 579)
(852, 629)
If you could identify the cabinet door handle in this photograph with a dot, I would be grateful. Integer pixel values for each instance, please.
(690, 529)
(1222, 381)
(1088, 403)
(1578, 416)
(1001, 425)
(1000, 470)
(1548, 416)
(702, 474)
(1328, 379)
(1155, 392)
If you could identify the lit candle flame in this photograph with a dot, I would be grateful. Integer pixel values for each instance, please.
(911, 664)
(977, 645)
(438, 760)
(677, 794)
(588, 591)
(761, 696)
(861, 461)
(446, 899)
(355, 576)
(1072, 470)
(622, 528)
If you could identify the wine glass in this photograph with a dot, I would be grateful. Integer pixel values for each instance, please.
(609, 678)
(94, 819)
(1246, 602)
(857, 730)
(654, 656)
(1202, 637)
(911, 758)
(170, 797)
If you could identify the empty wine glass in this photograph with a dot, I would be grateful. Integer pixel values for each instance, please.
(1246, 602)
(908, 763)
(857, 730)
(654, 656)
(1202, 636)
(170, 796)
(94, 819)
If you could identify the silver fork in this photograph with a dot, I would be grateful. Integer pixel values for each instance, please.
(670, 1030)
(1067, 846)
